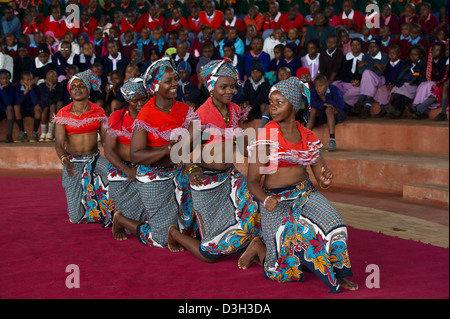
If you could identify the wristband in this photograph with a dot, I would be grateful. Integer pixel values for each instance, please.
(191, 168)
(265, 201)
(320, 184)
(63, 158)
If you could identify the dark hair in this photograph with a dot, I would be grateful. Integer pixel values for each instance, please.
(417, 47)
(314, 41)
(321, 77)
(396, 47)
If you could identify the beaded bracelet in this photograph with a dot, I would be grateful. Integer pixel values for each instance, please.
(191, 168)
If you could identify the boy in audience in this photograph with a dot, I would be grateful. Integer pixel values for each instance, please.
(27, 99)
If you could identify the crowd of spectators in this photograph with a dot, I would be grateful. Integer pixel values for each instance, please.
(328, 43)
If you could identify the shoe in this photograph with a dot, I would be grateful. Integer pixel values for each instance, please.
(357, 108)
(48, 137)
(365, 114)
(34, 137)
(42, 137)
(22, 137)
(331, 145)
(418, 116)
(381, 114)
(8, 139)
(440, 117)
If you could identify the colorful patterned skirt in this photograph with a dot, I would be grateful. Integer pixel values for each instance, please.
(166, 197)
(87, 192)
(304, 230)
(124, 194)
(227, 216)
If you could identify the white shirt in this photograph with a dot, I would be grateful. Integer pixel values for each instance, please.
(350, 56)
(114, 61)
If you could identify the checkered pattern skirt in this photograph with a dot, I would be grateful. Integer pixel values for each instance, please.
(165, 195)
(305, 229)
(124, 194)
(227, 216)
(87, 192)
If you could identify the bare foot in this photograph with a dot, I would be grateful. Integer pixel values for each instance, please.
(251, 254)
(118, 231)
(172, 244)
(347, 284)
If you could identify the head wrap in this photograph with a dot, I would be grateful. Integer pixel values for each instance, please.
(217, 68)
(88, 78)
(132, 87)
(293, 89)
(155, 72)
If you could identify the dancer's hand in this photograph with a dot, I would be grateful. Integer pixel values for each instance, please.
(196, 177)
(271, 203)
(326, 176)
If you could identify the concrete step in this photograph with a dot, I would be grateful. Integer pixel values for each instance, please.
(383, 170)
(427, 192)
(402, 135)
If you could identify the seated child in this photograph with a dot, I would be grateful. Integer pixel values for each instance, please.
(327, 106)
(404, 40)
(384, 92)
(291, 60)
(410, 76)
(386, 39)
(51, 94)
(186, 91)
(27, 99)
(255, 91)
(372, 70)
(436, 72)
(6, 102)
(311, 59)
(276, 63)
(350, 78)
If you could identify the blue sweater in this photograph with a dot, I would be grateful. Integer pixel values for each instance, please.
(333, 97)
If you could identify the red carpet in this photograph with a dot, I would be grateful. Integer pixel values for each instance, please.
(38, 242)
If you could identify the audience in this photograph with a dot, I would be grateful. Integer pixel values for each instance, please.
(267, 41)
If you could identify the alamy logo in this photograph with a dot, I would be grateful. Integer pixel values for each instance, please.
(72, 16)
(372, 18)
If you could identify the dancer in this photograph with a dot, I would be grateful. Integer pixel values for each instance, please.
(84, 169)
(300, 226)
(121, 171)
(162, 184)
(227, 216)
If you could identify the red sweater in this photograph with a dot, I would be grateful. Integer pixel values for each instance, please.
(286, 24)
(357, 18)
(215, 22)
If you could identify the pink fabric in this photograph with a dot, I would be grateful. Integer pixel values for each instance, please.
(370, 82)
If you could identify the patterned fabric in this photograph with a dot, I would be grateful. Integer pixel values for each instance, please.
(282, 152)
(227, 215)
(124, 194)
(293, 89)
(161, 190)
(87, 192)
(133, 87)
(155, 72)
(89, 78)
(217, 68)
(305, 229)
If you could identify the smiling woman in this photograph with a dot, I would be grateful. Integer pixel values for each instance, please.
(227, 216)
(85, 170)
(162, 184)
